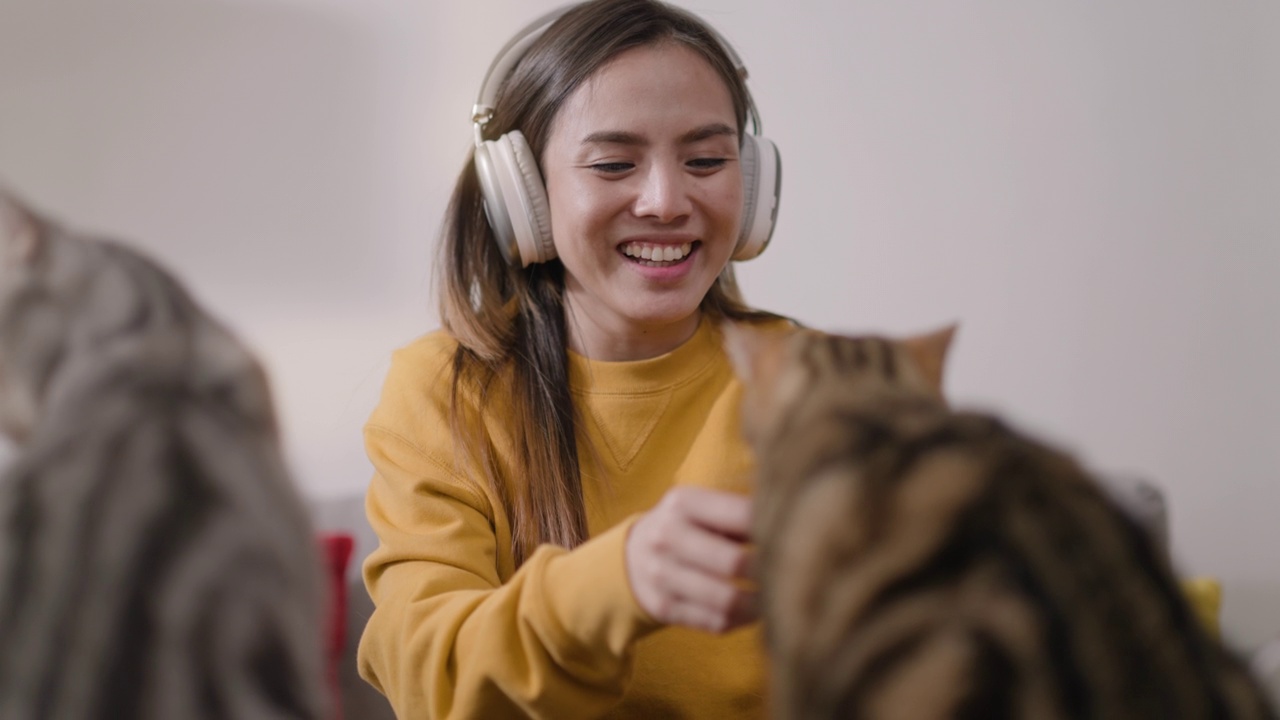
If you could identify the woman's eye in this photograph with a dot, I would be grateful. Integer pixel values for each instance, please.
(612, 168)
(707, 163)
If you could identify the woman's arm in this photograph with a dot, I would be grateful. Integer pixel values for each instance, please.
(448, 638)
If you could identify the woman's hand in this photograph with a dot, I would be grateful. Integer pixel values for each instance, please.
(687, 556)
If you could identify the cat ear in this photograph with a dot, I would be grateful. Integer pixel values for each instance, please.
(742, 344)
(19, 230)
(929, 352)
(756, 352)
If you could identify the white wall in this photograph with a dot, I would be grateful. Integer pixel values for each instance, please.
(1092, 189)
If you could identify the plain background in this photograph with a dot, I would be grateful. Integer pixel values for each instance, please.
(1092, 189)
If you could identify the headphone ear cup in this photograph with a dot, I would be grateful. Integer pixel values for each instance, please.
(515, 200)
(761, 188)
(537, 208)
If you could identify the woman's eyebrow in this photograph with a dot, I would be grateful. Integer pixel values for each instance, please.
(622, 137)
(613, 137)
(707, 131)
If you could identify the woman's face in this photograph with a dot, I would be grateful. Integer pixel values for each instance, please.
(642, 176)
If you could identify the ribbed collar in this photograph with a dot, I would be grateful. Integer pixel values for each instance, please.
(656, 374)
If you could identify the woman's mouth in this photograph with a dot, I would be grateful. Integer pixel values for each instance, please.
(657, 254)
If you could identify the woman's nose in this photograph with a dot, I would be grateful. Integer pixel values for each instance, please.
(663, 193)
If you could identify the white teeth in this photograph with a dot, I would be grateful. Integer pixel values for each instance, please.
(657, 253)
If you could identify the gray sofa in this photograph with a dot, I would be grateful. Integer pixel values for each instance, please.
(361, 702)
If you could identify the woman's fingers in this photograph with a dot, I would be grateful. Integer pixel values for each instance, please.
(684, 595)
(701, 617)
(707, 551)
(727, 514)
(685, 559)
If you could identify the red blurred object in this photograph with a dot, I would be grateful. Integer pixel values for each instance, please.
(337, 548)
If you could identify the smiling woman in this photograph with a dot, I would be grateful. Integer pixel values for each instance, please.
(560, 481)
(645, 197)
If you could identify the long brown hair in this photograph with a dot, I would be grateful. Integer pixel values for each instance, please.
(510, 321)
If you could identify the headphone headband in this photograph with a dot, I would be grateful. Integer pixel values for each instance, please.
(507, 57)
(516, 47)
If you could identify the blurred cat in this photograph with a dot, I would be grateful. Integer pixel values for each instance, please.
(921, 563)
(156, 561)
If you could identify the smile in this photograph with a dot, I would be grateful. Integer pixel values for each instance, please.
(654, 255)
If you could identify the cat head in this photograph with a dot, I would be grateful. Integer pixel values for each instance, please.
(783, 370)
(74, 309)
(31, 325)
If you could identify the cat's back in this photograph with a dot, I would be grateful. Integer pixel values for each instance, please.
(157, 560)
(917, 562)
(1016, 546)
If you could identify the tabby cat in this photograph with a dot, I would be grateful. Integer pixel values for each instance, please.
(921, 563)
(156, 562)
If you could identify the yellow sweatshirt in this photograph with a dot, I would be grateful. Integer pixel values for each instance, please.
(459, 633)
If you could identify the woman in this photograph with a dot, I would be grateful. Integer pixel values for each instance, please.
(561, 488)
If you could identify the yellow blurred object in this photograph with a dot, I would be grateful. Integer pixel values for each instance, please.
(1205, 594)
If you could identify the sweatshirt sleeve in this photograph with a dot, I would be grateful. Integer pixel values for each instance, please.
(448, 639)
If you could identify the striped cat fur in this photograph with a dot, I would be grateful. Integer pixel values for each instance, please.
(921, 563)
(156, 561)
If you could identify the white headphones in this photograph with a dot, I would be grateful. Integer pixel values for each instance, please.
(515, 198)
